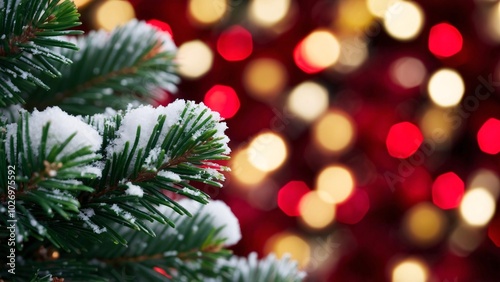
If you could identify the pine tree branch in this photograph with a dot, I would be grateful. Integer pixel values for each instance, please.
(27, 29)
(133, 63)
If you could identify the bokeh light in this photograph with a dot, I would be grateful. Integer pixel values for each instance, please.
(318, 51)
(353, 15)
(316, 213)
(408, 72)
(289, 243)
(477, 207)
(308, 101)
(354, 209)
(410, 269)
(424, 224)
(267, 151)
(488, 136)
(445, 40)
(447, 191)
(337, 182)
(244, 171)
(265, 78)
(204, 12)
(353, 53)
(404, 20)
(464, 239)
(487, 179)
(334, 132)
(437, 126)
(81, 3)
(446, 88)
(194, 58)
(378, 8)
(235, 44)
(289, 197)
(403, 140)
(222, 99)
(112, 13)
(267, 13)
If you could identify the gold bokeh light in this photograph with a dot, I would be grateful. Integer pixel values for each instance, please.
(268, 13)
(194, 58)
(308, 101)
(424, 224)
(410, 269)
(205, 12)
(265, 78)
(446, 88)
(334, 132)
(289, 243)
(404, 20)
(267, 151)
(337, 182)
(112, 13)
(315, 212)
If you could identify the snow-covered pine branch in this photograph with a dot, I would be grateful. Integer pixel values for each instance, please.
(113, 166)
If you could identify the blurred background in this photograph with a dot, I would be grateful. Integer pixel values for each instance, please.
(364, 133)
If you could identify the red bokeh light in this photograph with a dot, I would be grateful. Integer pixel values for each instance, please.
(235, 44)
(447, 191)
(289, 197)
(222, 99)
(301, 60)
(445, 40)
(162, 271)
(488, 136)
(403, 140)
(161, 26)
(494, 231)
(354, 208)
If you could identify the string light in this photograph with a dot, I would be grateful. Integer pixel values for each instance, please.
(334, 132)
(267, 151)
(194, 58)
(81, 3)
(112, 13)
(308, 101)
(268, 13)
(446, 88)
(265, 78)
(315, 213)
(403, 20)
(204, 12)
(337, 182)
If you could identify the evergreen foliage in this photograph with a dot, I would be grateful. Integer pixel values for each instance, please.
(93, 178)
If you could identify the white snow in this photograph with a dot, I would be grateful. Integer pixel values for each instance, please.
(134, 190)
(170, 175)
(62, 125)
(83, 216)
(221, 215)
(93, 169)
